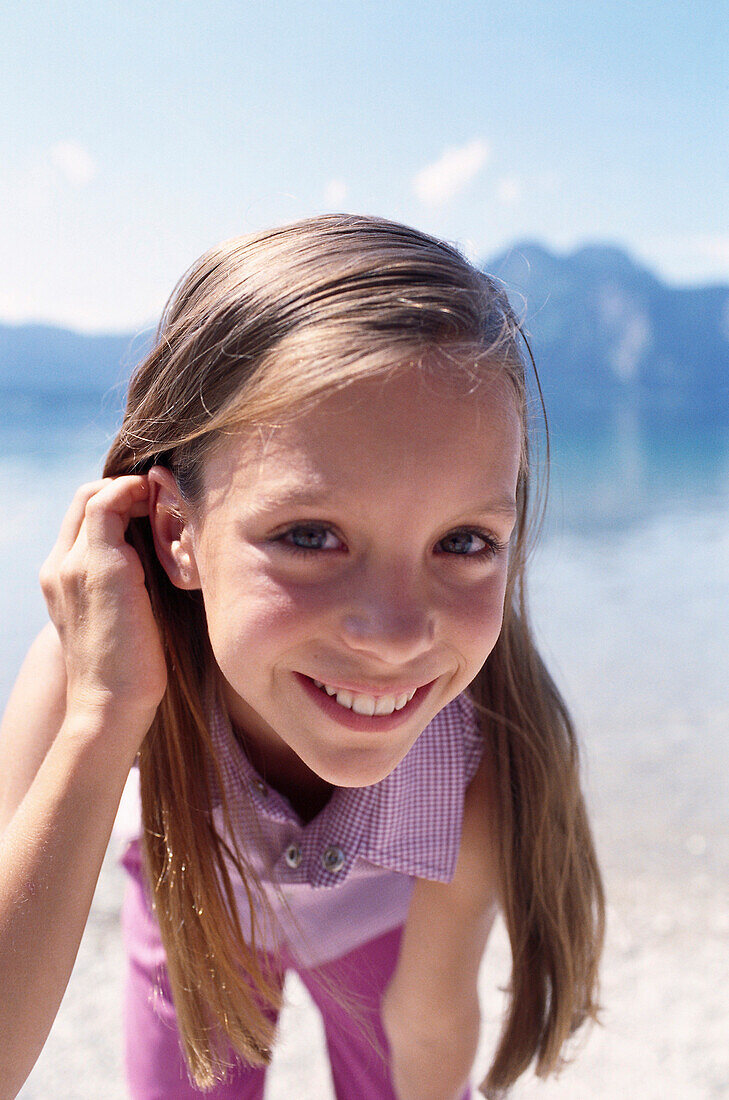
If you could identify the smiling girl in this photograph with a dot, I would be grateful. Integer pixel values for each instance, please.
(296, 602)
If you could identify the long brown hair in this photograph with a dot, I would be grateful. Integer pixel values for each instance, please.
(258, 327)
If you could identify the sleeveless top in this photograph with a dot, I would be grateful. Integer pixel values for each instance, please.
(346, 876)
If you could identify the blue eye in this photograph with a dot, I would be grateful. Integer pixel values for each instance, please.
(311, 535)
(310, 538)
(462, 540)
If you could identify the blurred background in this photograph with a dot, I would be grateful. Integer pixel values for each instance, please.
(577, 151)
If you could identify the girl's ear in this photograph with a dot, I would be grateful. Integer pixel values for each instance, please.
(169, 516)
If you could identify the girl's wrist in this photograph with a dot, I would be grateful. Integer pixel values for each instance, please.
(104, 725)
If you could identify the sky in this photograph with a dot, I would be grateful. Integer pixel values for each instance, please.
(135, 135)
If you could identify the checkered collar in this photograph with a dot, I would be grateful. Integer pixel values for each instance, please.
(409, 822)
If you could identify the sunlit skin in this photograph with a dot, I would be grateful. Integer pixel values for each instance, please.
(405, 582)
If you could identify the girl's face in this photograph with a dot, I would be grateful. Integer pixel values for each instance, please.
(363, 545)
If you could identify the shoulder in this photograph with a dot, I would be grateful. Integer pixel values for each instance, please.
(479, 768)
(475, 888)
(472, 738)
(448, 923)
(455, 733)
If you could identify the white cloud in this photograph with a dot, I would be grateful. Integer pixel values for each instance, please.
(454, 170)
(509, 190)
(74, 162)
(687, 258)
(713, 247)
(335, 192)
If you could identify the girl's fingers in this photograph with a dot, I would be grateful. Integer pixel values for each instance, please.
(93, 584)
(74, 517)
(107, 512)
(128, 492)
(139, 508)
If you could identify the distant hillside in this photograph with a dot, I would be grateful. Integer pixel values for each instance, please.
(605, 332)
(44, 359)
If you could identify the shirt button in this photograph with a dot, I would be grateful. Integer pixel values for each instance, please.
(333, 858)
(261, 786)
(292, 855)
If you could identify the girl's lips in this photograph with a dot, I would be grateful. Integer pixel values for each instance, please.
(349, 718)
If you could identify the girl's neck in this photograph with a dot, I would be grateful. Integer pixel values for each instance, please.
(276, 763)
(287, 773)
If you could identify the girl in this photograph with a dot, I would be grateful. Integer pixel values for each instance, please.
(296, 599)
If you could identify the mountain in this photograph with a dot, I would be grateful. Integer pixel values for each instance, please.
(45, 359)
(607, 334)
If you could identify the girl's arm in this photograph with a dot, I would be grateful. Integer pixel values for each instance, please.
(431, 1009)
(68, 739)
(51, 853)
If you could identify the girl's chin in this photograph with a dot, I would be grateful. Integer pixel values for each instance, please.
(344, 775)
(356, 765)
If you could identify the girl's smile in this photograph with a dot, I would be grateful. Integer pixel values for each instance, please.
(337, 708)
(364, 545)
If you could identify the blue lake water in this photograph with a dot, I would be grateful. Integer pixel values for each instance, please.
(630, 588)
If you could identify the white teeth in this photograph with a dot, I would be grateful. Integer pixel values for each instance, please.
(363, 704)
(385, 705)
(368, 704)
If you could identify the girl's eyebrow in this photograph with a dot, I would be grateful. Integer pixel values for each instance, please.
(503, 506)
(300, 497)
(294, 498)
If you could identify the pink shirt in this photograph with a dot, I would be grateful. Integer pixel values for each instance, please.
(346, 876)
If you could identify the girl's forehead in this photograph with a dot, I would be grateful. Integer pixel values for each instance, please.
(397, 428)
(403, 398)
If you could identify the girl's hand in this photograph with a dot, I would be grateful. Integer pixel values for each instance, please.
(93, 584)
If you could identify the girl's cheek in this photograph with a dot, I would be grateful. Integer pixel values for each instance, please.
(482, 611)
(258, 606)
(485, 598)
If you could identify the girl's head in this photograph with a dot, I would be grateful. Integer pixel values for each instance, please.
(334, 422)
(348, 385)
(363, 544)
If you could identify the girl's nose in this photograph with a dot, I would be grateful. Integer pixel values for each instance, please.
(389, 621)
